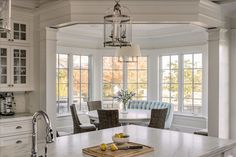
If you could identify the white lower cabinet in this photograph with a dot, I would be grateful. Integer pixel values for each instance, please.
(15, 131)
(12, 140)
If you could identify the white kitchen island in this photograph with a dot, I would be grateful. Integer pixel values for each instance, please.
(166, 143)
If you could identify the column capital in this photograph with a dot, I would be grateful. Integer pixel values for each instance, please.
(217, 34)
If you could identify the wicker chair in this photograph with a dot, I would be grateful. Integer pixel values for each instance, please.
(94, 105)
(78, 127)
(108, 119)
(158, 117)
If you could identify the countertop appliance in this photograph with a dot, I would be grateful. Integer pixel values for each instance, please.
(7, 104)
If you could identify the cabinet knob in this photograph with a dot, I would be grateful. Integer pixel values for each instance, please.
(18, 141)
(19, 127)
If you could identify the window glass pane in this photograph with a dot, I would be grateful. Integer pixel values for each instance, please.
(174, 101)
(165, 90)
(174, 62)
(188, 76)
(165, 100)
(63, 61)
(174, 90)
(117, 76)
(132, 76)
(107, 76)
(133, 87)
(198, 60)
(188, 90)
(132, 65)
(165, 62)
(117, 64)
(142, 76)
(107, 62)
(84, 62)
(84, 76)
(76, 76)
(63, 75)
(76, 91)
(107, 91)
(197, 76)
(76, 62)
(165, 76)
(197, 106)
(84, 90)
(188, 61)
(188, 107)
(174, 76)
(197, 91)
(142, 63)
(142, 90)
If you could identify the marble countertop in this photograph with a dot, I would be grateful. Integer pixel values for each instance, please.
(17, 116)
(166, 143)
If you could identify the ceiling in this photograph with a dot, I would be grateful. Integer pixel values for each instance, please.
(36, 3)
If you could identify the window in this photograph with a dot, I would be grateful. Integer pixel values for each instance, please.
(72, 82)
(62, 83)
(137, 78)
(117, 75)
(181, 82)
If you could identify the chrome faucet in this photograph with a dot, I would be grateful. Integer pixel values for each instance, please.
(49, 132)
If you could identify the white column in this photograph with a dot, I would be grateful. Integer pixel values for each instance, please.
(48, 49)
(233, 83)
(218, 83)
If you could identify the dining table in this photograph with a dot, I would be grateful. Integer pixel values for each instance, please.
(165, 143)
(131, 116)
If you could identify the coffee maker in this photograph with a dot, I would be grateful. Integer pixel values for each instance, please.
(7, 104)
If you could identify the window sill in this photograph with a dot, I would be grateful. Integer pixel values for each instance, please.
(69, 114)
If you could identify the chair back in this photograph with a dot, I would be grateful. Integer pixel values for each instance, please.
(94, 105)
(108, 119)
(75, 118)
(158, 117)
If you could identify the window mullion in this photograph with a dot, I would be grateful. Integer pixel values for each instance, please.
(125, 75)
(193, 83)
(70, 80)
(181, 83)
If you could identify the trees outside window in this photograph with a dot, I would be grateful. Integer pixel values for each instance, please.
(181, 82)
(72, 83)
(131, 76)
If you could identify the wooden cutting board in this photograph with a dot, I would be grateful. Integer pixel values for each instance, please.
(96, 151)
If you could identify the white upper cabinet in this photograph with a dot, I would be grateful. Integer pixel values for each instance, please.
(19, 34)
(14, 69)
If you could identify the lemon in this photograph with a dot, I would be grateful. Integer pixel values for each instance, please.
(117, 135)
(121, 135)
(103, 147)
(113, 147)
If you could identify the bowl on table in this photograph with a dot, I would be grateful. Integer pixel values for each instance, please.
(120, 138)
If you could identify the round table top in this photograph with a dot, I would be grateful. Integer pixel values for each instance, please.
(131, 116)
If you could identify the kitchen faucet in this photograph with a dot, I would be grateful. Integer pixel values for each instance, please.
(49, 132)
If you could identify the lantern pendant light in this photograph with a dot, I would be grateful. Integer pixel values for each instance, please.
(5, 16)
(117, 27)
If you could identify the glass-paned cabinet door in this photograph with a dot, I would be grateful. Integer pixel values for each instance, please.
(20, 31)
(4, 66)
(20, 66)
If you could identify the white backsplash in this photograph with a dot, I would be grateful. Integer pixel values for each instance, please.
(20, 102)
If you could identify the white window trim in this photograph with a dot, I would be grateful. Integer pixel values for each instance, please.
(70, 80)
(188, 50)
